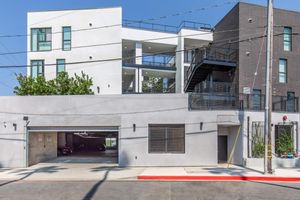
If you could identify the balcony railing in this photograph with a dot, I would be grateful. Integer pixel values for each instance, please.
(215, 87)
(217, 54)
(153, 61)
(251, 102)
(166, 28)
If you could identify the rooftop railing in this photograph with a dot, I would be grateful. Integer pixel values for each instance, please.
(166, 28)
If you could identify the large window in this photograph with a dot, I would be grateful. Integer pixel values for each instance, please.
(287, 39)
(167, 138)
(282, 71)
(60, 65)
(37, 68)
(66, 43)
(41, 39)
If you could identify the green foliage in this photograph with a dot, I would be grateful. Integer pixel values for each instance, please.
(154, 84)
(258, 146)
(61, 85)
(284, 143)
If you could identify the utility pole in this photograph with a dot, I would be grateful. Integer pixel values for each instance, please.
(268, 89)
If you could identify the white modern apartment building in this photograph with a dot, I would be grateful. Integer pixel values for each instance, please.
(219, 119)
(119, 55)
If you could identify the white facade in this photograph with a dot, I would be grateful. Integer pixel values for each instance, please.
(98, 34)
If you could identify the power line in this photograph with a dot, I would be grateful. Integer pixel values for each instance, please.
(126, 58)
(116, 43)
(138, 21)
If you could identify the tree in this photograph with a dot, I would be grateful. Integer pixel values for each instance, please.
(154, 84)
(61, 85)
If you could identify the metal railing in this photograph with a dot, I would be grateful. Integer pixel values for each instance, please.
(253, 102)
(153, 60)
(211, 54)
(215, 87)
(195, 25)
(166, 28)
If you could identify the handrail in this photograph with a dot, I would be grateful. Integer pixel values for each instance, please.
(166, 28)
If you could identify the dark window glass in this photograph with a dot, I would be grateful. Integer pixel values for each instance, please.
(282, 71)
(60, 65)
(37, 68)
(290, 103)
(256, 99)
(67, 44)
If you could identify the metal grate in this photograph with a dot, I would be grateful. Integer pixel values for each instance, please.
(167, 138)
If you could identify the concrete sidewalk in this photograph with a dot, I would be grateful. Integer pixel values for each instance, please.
(96, 171)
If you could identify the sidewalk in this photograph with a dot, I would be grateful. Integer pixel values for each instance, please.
(220, 173)
(94, 171)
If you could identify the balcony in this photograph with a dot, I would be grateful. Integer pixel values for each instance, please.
(207, 60)
(247, 102)
(153, 61)
(166, 28)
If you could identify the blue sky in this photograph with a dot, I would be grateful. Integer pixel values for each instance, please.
(13, 21)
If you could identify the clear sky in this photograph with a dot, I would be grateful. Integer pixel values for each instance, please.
(13, 21)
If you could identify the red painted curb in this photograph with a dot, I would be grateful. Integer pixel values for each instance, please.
(221, 178)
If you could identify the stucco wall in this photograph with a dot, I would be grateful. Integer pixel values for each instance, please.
(122, 111)
(106, 75)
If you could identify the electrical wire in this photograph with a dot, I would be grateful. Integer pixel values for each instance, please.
(138, 21)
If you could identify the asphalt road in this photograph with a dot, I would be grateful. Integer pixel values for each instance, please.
(131, 190)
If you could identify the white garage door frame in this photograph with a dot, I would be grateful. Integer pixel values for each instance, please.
(45, 129)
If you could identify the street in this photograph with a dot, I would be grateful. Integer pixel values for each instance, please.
(144, 190)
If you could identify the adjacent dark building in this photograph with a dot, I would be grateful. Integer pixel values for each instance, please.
(230, 72)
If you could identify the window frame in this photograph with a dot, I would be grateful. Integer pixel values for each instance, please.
(289, 41)
(285, 71)
(290, 101)
(255, 93)
(166, 127)
(43, 68)
(57, 60)
(38, 49)
(64, 40)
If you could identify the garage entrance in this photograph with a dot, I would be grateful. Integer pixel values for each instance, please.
(73, 145)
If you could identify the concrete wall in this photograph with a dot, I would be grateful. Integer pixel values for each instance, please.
(106, 75)
(42, 147)
(122, 111)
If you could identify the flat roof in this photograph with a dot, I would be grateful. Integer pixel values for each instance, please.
(74, 9)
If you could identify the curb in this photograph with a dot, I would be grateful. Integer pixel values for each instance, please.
(221, 178)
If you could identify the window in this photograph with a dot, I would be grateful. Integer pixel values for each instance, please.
(41, 39)
(290, 102)
(37, 68)
(256, 99)
(167, 138)
(66, 43)
(287, 39)
(60, 66)
(282, 71)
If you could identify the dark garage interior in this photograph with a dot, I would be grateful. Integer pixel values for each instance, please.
(102, 145)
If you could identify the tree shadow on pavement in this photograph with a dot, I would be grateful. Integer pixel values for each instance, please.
(25, 173)
(91, 193)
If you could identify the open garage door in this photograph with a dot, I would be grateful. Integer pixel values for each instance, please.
(73, 145)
